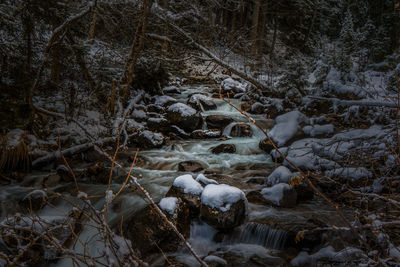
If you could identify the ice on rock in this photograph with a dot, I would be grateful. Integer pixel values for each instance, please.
(279, 175)
(222, 196)
(275, 193)
(202, 179)
(169, 204)
(188, 184)
(182, 109)
(353, 174)
(286, 126)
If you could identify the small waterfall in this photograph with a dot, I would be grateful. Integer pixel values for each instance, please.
(258, 234)
(201, 237)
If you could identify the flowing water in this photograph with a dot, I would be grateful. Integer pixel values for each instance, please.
(158, 169)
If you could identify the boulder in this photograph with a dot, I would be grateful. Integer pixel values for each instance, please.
(241, 130)
(171, 90)
(149, 232)
(224, 148)
(223, 207)
(266, 145)
(218, 122)
(147, 139)
(154, 108)
(256, 197)
(158, 124)
(184, 117)
(201, 134)
(188, 190)
(34, 201)
(281, 195)
(190, 166)
(200, 102)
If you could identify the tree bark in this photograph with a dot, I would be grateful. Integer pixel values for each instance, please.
(254, 28)
(165, 5)
(136, 47)
(271, 52)
(261, 40)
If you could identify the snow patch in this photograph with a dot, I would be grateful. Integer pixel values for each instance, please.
(188, 184)
(169, 204)
(222, 196)
(182, 109)
(202, 179)
(286, 126)
(279, 175)
(275, 193)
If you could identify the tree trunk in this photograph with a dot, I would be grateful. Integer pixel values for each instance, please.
(93, 25)
(254, 28)
(165, 5)
(261, 41)
(55, 68)
(271, 52)
(136, 47)
(311, 25)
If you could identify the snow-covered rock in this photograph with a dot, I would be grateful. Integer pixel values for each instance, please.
(188, 184)
(148, 139)
(158, 124)
(231, 85)
(168, 204)
(164, 100)
(353, 174)
(328, 254)
(279, 175)
(281, 195)
(286, 127)
(316, 130)
(201, 102)
(184, 116)
(204, 180)
(172, 89)
(223, 206)
(187, 189)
